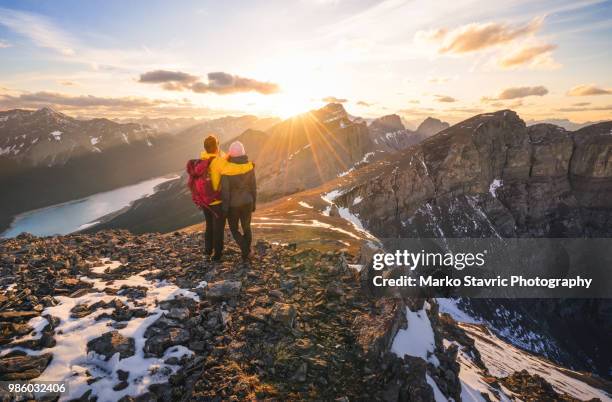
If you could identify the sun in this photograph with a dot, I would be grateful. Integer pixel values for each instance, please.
(290, 106)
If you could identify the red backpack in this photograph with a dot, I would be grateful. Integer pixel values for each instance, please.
(200, 182)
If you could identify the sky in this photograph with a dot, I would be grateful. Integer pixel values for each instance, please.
(206, 59)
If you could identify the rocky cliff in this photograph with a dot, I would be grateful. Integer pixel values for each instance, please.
(492, 176)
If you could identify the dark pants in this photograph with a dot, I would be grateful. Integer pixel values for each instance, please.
(243, 215)
(215, 226)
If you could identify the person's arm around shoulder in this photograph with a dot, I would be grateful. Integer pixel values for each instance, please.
(233, 169)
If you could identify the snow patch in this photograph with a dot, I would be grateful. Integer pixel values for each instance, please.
(331, 196)
(305, 205)
(416, 340)
(57, 135)
(451, 307)
(70, 358)
(495, 184)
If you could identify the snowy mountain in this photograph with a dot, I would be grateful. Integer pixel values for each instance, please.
(45, 137)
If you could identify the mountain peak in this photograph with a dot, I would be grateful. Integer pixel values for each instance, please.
(390, 122)
(431, 126)
(49, 112)
(331, 112)
(333, 108)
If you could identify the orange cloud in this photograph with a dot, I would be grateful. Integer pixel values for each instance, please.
(478, 36)
(586, 90)
(518, 92)
(534, 55)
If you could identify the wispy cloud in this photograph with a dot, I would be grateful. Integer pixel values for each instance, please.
(4, 44)
(364, 104)
(45, 33)
(534, 56)
(38, 29)
(587, 90)
(218, 82)
(477, 36)
(518, 92)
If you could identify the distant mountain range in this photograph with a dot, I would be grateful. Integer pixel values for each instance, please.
(47, 157)
(565, 123)
(163, 124)
(389, 134)
(48, 138)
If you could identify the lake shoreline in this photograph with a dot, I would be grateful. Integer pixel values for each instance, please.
(102, 200)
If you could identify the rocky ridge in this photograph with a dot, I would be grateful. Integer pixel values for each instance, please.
(293, 324)
(492, 176)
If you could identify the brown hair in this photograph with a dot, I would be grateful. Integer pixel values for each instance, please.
(211, 144)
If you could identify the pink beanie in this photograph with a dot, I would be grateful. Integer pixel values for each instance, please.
(236, 149)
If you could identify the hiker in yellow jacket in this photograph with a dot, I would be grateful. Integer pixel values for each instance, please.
(214, 215)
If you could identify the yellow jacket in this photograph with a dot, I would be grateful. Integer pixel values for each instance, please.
(220, 166)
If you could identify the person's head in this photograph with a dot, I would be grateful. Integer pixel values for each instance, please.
(236, 149)
(211, 144)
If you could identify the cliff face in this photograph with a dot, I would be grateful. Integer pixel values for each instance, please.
(493, 176)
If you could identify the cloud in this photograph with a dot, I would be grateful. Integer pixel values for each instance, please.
(38, 29)
(581, 104)
(218, 82)
(120, 107)
(364, 103)
(585, 109)
(538, 55)
(477, 36)
(518, 92)
(224, 83)
(45, 33)
(41, 99)
(586, 90)
(445, 98)
(333, 99)
(68, 83)
(4, 44)
(164, 76)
